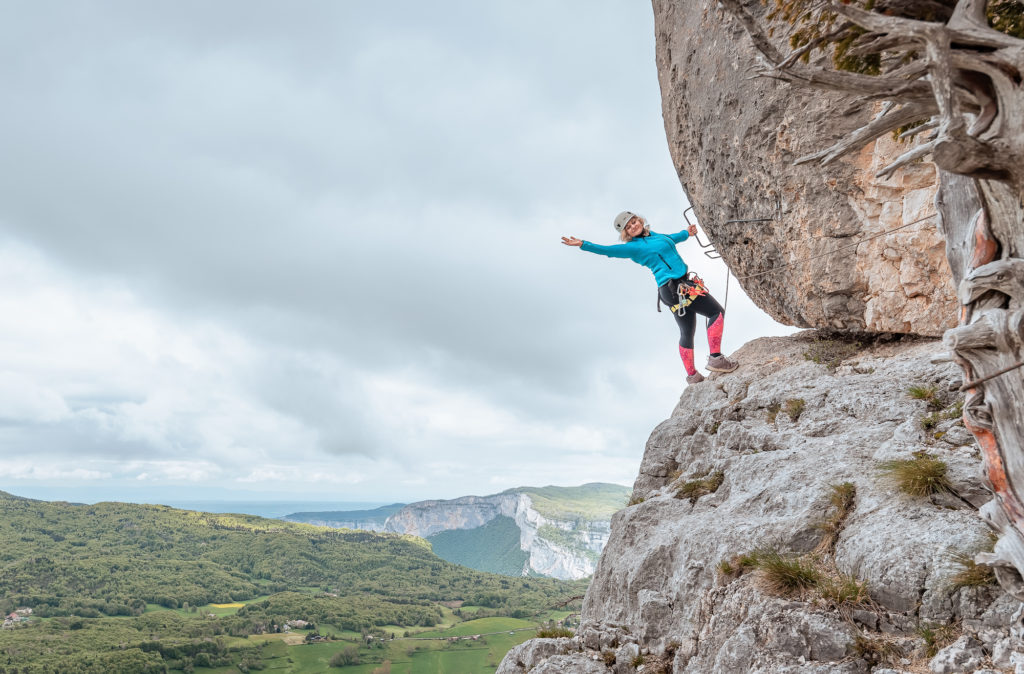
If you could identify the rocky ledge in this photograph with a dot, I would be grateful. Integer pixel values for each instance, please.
(770, 530)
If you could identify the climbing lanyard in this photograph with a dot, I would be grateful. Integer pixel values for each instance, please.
(689, 289)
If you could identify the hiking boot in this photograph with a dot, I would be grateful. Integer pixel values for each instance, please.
(694, 378)
(721, 364)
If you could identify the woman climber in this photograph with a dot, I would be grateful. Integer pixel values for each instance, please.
(687, 298)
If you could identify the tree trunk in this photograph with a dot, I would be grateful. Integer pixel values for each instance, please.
(984, 230)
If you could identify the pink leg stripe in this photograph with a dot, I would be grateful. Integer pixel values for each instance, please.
(687, 356)
(715, 334)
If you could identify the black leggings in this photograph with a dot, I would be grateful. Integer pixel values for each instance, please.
(705, 305)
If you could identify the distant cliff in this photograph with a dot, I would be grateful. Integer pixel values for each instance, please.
(559, 532)
(367, 520)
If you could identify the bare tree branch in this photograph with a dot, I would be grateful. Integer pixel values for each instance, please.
(907, 157)
(965, 32)
(882, 124)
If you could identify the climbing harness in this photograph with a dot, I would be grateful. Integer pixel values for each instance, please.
(689, 289)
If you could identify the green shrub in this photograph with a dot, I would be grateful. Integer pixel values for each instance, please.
(922, 475)
(345, 657)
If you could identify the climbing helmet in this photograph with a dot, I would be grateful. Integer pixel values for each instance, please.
(623, 218)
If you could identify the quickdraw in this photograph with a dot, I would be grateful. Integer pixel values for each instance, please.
(689, 289)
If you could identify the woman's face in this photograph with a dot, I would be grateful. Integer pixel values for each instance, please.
(635, 227)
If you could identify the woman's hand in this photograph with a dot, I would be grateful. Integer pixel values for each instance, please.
(692, 230)
(572, 241)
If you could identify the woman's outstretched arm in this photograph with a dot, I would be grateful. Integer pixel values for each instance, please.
(679, 237)
(619, 250)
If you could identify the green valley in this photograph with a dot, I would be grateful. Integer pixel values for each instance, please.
(494, 547)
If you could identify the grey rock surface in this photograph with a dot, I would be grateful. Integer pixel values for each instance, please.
(657, 585)
(526, 656)
(963, 655)
(733, 140)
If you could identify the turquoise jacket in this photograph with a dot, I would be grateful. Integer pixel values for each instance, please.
(656, 251)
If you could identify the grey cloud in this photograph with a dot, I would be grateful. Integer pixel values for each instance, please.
(384, 183)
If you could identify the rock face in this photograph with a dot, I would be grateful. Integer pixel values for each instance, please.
(734, 139)
(426, 518)
(566, 549)
(784, 431)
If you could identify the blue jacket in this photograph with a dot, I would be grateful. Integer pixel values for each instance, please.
(657, 252)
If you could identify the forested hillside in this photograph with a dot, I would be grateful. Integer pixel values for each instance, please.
(79, 566)
(113, 558)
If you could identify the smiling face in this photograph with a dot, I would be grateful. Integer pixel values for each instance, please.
(635, 227)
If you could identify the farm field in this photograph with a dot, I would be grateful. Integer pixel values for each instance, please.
(280, 653)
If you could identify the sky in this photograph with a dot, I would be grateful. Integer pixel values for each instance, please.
(265, 250)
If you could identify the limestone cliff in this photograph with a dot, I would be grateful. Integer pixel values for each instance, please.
(734, 139)
(556, 547)
(682, 585)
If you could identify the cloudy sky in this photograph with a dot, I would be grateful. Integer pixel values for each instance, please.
(311, 250)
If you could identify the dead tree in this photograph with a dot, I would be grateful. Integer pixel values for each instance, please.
(959, 80)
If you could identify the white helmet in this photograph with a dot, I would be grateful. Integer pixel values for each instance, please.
(623, 218)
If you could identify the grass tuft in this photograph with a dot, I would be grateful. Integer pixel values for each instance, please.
(877, 651)
(634, 500)
(955, 411)
(841, 499)
(920, 476)
(844, 591)
(694, 489)
(554, 632)
(971, 573)
(936, 637)
(785, 574)
(773, 412)
(608, 657)
(929, 394)
(794, 408)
